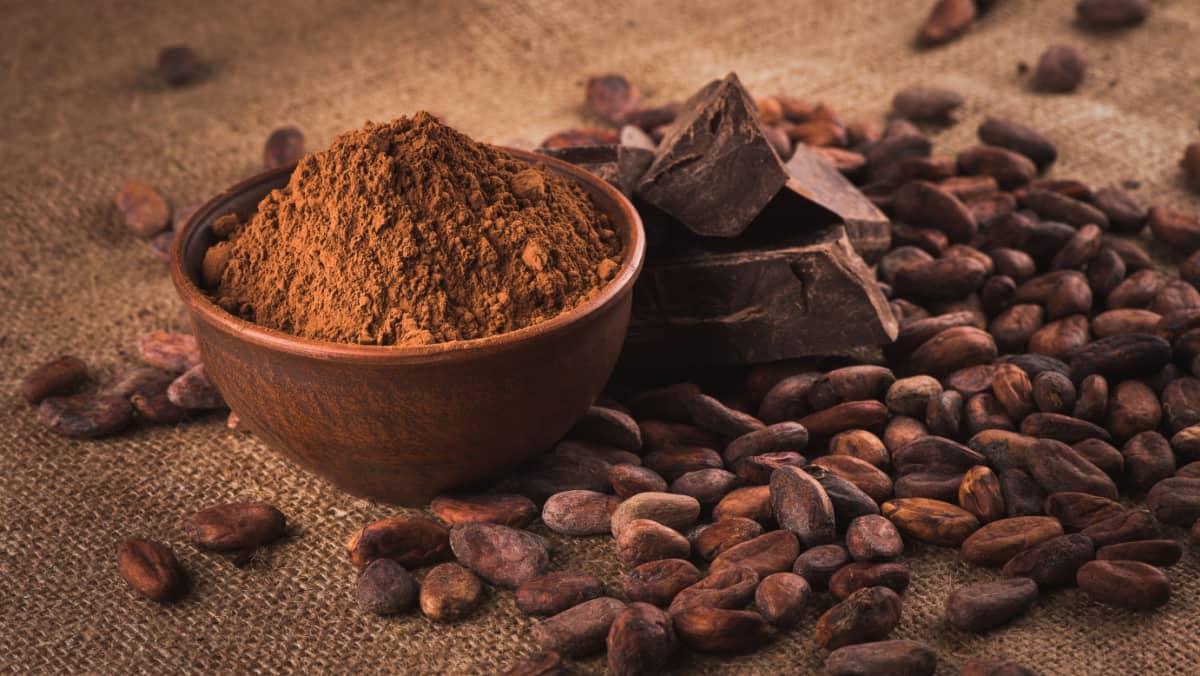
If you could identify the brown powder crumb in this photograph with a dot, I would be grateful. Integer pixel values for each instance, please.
(407, 233)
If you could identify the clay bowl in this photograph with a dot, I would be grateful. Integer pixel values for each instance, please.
(402, 424)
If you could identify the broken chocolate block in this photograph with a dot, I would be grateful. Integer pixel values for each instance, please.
(620, 165)
(783, 290)
(715, 170)
(814, 177)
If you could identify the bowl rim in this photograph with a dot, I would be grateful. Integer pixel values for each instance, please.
(199, 304)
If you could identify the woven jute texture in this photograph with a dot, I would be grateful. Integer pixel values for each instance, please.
(82, 113)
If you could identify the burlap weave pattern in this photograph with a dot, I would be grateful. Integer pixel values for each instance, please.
(82, 113)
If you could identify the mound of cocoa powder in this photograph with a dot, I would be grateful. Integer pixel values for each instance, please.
(409, 232)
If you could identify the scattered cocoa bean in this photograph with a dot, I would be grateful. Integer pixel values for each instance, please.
(85, 416)
(986, 605)
(579, 512)
(1052, 562)
(55, 378)
(717, 630)
(151, 569)
(673, 511)
(932, 521)
(883, 658)
(385, 588)
(642, 540)
(658, 582)
(506, 509)
(143, 209)
(555, 592)
(413, 541)
(236, 526)
(579, 631)
(1126, 584)
(1161, 553)
(947, 20)
(867, 615)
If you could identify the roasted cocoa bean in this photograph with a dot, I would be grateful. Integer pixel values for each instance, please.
(1175, 500)
(860, 575)
(1177, 229)
(629, 480)
(844, 416)
(866, 615)
(151, 569)
(716, 630)
(940, 279)
(1133, 408)
(85, 416)
(751, 502)
(997, 542)
(944, 413)
(849, 501)
(449, 592)
(710, 414)
(787, 399)
(1076, 511)
(729, 588)
(555, 592)
(901, 430)
(640, 640)
(386, 588)
(1053, 393)
(1009, 168)
(504, 556)
(882, 658)
(674, 511)
(784, 436)
(936, 454)
(981, 495)
(658, 582)
(506, 509)
(932, 485)
(545, 663)
(873, 538)
(1121, 526)
(643, 540)
(1062, 428)
(1102, 455)
(1052, 562)
(852, 383)
(236, 526)
(1105, 272)
(781, 599)
(756, 469)
(862, 445)
(708, 542)
(910, 396)
(1092, 403)
(946, 21)
(1181, 403)
(1022, 494)
(1161, 553)
(1017, 137)
(817, 565)
(658, 435)
(55, 378)
(579, 631)
(801, 505)
(931, 205)
(986, 605)
(1148, 460)
(176, 352)
(195, 391)
(1001, 448)
(932, 521)
(1126, 584)
(413, 541)
(868, 478)
(768, 553)
(608, 426)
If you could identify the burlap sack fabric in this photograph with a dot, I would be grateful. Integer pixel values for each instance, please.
(82, 113)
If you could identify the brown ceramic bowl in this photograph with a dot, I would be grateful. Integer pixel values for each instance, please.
(401, 424)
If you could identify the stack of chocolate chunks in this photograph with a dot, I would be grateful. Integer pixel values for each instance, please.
(750, 259)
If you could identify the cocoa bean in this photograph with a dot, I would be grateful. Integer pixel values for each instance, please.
(1111, 13)
(236, 526)
(1148, 460)
(1077, 511)
(901, 257)
(1060, 69)
(998, 294)
(1189, 269)
(449, 592)
(1002, 449)
(1058, 467)
(1176, 229)
(1105, 272)
(866, 615)
(176, 352)
(658, 582)
(608, 426)
(195, 391)
(659, 436)
(552, 473)
(800, 505)
(860, 575)
(1123, 321)
(1092, 403)
(1053, 393)
(1022, 494)
(939, 485)
(610, 97)
(1062, 428)
(944, 413)
(674, 511)
(844, 416)
(143, 209)
(986, 605)
(852, 383)
(873, 538)
(757, 469)
(1122, 356)
(1052, 562)
(579, 631)
(579, 512)
(926, 239)
(768, 553)
(1181, 403)
(941, 279)
(716, 630)
(817, 565)
(1186, 442)
(1175, 500)
(640, 640)
(910, 396)
(1175, 295)
(55, 378)
(981, 495)
(587, 450)
(916, 332)
(708, 486)
(413, 541)
(868, 478)
(710, 541)
(788, 399)
(781, 599)
(1078, 252)
(157, 407)
(901, 430)
(926, 104)
(643, 540)
(1190, 470)
(730, 588)
(933, 206)
(504, 556)
(1135, 291)
(555, 592)
(1012, 263)
(1014, 327)
(882, 658)
(506, 509)
(710, 414)
(946, 21)
(784, 436)
(85, 416)
(284, 147)
(151, 569)
(1009, 168)
(1121, 526)
(1018, 137)
(953, 349)
(1161, 553)
(997, 542)
(750, 502)
(177, 65)
(668, 403)
(385, 588)
(629, 480)
(1102, 455)
(1125, 584)
(995, 668)
(673, 463)
(1013, 390)
(934, 453)
(932, 521)
(1062, 338)
(1133, 408)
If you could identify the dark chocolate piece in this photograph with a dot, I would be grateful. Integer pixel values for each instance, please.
(620, 165)
(764, 297)
(816, 179)
(715, 170)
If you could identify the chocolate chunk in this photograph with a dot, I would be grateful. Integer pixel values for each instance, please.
(715, 170)
(763, 297)
(620, 165)
(816, 179)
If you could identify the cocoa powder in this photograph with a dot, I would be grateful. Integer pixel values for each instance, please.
(410, 233)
